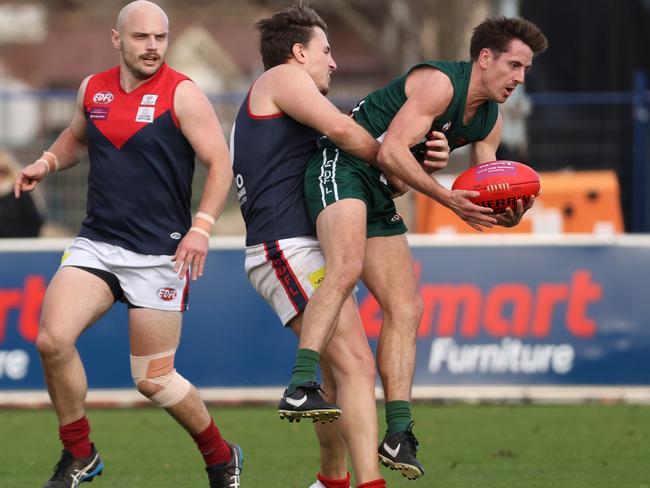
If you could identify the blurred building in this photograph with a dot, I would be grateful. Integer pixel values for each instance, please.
(47, 47)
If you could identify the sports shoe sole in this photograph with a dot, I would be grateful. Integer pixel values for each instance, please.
(323, 416)
(407, 470)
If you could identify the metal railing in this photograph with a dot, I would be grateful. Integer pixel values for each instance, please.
(591, 130)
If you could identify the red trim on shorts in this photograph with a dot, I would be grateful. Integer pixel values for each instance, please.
(287, 278)
(185, 303)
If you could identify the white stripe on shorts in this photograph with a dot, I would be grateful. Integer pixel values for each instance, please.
(322, 178)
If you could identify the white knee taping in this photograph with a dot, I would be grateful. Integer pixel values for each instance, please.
(174, 386)
(140, 364)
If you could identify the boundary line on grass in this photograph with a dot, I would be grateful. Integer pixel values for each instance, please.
(471, 394)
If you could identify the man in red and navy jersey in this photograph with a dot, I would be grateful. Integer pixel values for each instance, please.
(142, 124)
(285, 112)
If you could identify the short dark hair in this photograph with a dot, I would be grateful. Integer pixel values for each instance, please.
(279, 33)
(496, 33)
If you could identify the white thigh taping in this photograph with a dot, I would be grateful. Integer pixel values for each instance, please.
(174, 386)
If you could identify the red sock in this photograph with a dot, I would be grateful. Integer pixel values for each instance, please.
(344, 483)
(212, 446)
(75, 437)
(373, 484)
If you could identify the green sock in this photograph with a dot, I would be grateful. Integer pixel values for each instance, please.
(304, 369)
(398, 416)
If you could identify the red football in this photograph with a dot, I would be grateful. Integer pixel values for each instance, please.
(501, 184)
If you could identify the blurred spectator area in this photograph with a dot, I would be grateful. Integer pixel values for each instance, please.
(45, 114)
(569, 135)
(579, 110)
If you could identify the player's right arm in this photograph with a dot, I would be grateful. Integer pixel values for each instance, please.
(62, 154)
(293, 92)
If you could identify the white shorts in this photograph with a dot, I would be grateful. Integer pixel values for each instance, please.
(147, 281)
(286, 273)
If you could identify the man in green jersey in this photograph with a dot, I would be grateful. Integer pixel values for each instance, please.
(359, 229)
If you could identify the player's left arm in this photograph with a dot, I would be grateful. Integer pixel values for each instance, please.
(200, 126)
(485, 151)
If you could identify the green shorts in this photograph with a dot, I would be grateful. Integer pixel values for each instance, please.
(333, 175)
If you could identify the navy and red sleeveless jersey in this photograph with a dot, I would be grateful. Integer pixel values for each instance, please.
(270, 154)
(141, 165)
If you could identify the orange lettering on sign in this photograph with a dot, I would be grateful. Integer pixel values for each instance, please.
(28, 301)
(506, 309)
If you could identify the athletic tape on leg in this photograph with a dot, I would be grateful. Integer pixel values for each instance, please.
(159, 370)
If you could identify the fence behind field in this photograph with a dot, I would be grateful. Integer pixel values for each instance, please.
(579, 131)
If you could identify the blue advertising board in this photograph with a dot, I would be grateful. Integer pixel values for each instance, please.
(498, 312)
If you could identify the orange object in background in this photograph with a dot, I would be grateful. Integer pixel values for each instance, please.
(571, 202)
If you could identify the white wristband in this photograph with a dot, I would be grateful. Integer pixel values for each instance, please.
(56, 160)
(200, 231)
(205, 216)
(46, 163)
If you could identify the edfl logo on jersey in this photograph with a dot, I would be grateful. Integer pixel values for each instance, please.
(103, 97)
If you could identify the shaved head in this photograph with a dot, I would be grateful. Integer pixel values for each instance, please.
(141, 35)
(139, 8)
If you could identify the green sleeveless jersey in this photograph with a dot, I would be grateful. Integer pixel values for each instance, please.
(376, 111)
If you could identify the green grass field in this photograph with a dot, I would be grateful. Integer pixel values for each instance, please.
(461, 446)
